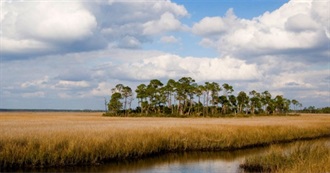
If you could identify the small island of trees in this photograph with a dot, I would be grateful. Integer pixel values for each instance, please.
(186, 98)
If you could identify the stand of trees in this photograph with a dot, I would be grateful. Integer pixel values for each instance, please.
(312, 109)
(186, 98)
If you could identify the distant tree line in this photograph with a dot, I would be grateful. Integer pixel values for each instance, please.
(312, 109)
(185, 97)
(50, 110)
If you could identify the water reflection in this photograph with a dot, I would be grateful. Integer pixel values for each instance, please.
(192, 162)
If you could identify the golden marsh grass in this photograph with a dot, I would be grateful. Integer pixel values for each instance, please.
(301, 157)
(58, 139)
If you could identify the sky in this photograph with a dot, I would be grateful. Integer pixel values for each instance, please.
(67, 54)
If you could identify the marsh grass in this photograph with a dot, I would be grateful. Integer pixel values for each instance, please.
(301, 157)
(61, 140)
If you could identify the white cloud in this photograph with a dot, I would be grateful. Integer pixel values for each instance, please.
(318, 94)
(291, 80)
(13, 46)
(320, 12)
(108, 68)
(33, 94)
(178, 10)
(130, 24)
(211, 26)
(55, 21)
(64, 95)
(169, 39)
(173, 66)
(294, 26)
(102, 89)
(153, 6)
(300, 23)
(130, 42)
(167, 22)
(41, 83)
(37, 26)
(71, 84)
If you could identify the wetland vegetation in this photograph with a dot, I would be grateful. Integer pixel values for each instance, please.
(61, 139)
(301, 157)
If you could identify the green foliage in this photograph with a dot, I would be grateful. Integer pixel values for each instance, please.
(184, 98)
(120, 92)
(115, 105)
(312, 109)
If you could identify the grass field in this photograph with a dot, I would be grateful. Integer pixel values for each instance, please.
(34, 139)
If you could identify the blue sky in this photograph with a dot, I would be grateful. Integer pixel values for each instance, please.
(69, 54)
(243, 8)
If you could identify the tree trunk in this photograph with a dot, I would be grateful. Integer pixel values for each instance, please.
(204, 104)
(207, 103)
(190, 107)
(125, 103)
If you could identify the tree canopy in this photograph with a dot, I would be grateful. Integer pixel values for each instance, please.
(185, 97)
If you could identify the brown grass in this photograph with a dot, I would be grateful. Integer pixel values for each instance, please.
(55, 139)
(301, 157)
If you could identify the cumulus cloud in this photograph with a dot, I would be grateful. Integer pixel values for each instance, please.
(14, 47)
(64, 82)
(294, 27)
(169, 39)
(211, 26)
(320, 12)
(300, 23)
(141, 8)
(55, 21)
(129, 42)
(174, 66)
(167, 22)
(132, 23)
(41, 27)
(38, 28)
(102, 89)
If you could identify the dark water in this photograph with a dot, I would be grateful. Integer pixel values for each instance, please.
(185, 162)
(190, 162)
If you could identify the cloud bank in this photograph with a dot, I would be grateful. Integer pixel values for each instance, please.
(296, 27)
(76, 51)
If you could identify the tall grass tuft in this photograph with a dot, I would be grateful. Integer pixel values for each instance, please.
(302, 157)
